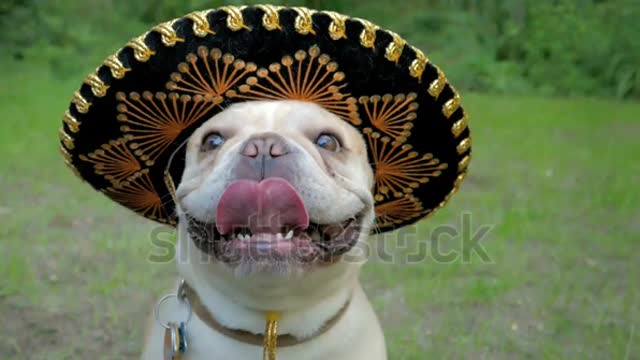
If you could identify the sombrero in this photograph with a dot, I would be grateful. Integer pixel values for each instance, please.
(132, 113)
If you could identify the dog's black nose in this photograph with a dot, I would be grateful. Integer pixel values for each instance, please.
(265, 145)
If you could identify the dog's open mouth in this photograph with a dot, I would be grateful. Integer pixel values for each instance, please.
(268, 220)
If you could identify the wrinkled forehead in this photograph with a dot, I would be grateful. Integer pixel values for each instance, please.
(283, 116)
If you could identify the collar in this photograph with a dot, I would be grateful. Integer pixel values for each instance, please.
(247, 337)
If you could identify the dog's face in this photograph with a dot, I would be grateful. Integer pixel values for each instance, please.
(276, 187)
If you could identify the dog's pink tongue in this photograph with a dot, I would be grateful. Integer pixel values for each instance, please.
(267, 206)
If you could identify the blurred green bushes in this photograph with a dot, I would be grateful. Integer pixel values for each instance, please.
(548, 47)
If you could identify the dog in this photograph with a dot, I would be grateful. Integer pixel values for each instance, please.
(274, 205)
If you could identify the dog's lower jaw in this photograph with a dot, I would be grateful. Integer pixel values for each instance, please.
(220, 287)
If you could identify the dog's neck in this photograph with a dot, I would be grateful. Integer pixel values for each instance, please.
(306, 302)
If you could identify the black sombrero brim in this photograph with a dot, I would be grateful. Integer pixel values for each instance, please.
(133, 112)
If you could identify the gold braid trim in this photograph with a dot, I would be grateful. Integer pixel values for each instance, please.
(304, 22)
(167, 33)
(271, 18)
(337, 27)
(141, 51)
(82, 105)
(98, 87)
(115, 65)
(395, 47)
(368, 34)
(235, 20)
(71, 121)
(200, 23)
(418, 65)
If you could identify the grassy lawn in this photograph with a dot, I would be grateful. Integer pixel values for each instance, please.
(555, 180)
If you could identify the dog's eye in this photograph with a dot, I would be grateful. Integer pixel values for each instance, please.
(212, 141)
(328, 142)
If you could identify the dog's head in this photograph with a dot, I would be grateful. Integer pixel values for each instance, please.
(276, 187)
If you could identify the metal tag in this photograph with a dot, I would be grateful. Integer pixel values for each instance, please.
(183, 338)
(175, 342)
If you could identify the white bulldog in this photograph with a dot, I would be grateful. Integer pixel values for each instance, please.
(273, 205)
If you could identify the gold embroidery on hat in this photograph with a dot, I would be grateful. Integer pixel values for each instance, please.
(82, 105)
(200, 23)
(141, 51)
(452, 104)
(115, 65)
(459, 126)
(114, 160)
(368, 34)
(271, 18)
(463, 146)
(67, 160)
(418, 65)
(464, 163)
(395, 47)
(155, 121)
(307, 76)
(235, 21)
(437, 85)
(209, 73)
(337, 27)
(139, 194)
(303, 22)
(398, 211)
(168, 34)
(98, 87)
(66, 139)
(392, 115)
(72, 123)
(398, 169)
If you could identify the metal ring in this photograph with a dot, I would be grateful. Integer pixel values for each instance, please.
(167, 297)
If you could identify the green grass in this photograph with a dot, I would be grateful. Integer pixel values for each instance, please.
(555, 179)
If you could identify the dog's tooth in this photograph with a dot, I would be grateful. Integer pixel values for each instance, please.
(279, 236)
(315, 235)
(289, 235)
